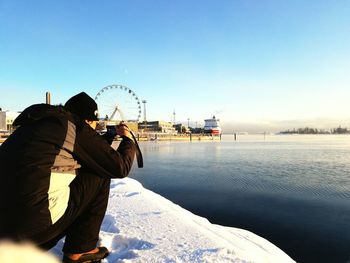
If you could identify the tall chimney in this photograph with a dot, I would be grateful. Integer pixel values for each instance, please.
(48, 98)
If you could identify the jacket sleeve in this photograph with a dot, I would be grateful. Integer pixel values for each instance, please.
(95, 154)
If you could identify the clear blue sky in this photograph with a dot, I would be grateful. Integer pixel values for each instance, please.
(259, 65)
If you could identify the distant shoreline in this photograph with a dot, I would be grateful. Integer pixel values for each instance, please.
(176, 137)
(163, 137)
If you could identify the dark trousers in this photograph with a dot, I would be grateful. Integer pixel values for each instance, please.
(83, 218)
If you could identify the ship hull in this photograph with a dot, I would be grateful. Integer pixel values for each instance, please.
(214, 131)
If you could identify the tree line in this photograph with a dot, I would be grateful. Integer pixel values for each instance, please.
(308, 130)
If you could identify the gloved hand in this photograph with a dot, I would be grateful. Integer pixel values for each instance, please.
(123, 130)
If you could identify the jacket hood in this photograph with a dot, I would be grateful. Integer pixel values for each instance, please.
(37, 112)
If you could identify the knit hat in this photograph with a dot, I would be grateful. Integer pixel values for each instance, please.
(83, 106)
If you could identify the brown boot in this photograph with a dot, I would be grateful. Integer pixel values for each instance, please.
(94, 255)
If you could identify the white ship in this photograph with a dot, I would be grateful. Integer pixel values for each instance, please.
(212, 126)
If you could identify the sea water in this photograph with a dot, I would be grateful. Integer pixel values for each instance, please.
(290, 189)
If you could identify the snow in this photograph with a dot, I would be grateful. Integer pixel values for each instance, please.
(142, 226)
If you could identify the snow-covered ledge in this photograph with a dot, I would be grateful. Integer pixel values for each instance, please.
(142, 226)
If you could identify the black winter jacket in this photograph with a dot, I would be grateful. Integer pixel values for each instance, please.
(40, 159)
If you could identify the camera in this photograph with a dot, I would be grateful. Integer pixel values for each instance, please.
(111, 129)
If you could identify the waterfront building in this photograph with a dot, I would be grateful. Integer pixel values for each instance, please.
(157, 126)
(180, 128)
(102, 125)
(197, 130)
(6, 119)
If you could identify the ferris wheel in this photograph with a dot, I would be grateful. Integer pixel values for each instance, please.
(118, 103)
